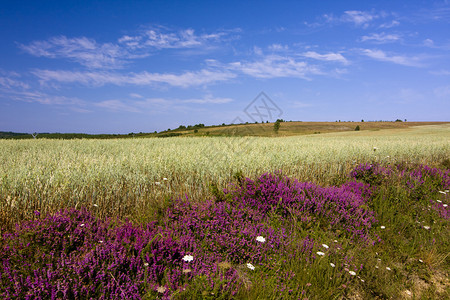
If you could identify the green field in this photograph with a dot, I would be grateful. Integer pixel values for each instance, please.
(122, 176)
(139, 178)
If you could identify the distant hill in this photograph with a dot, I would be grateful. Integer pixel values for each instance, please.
(248, 129)
(12, 135)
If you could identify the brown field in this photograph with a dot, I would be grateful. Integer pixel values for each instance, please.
(299, 128)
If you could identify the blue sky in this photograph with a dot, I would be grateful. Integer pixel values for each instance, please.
(141, 66)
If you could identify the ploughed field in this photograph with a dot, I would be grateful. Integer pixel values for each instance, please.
(356, 214)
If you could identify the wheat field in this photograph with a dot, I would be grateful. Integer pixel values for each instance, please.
(132, 177)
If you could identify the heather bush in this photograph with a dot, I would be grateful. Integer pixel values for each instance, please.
(335, 207)
(373, 174)
(420, 182)
(269, 237)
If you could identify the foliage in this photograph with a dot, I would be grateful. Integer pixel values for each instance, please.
(276, 126)
(217, 248)
(375, 206)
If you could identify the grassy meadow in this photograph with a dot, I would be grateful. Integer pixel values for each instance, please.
(378, 233)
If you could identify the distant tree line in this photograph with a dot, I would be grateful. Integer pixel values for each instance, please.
(196, 126)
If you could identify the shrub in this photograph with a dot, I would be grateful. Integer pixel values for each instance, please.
(276, 126)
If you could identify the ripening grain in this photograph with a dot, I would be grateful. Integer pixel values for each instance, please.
(126, 177)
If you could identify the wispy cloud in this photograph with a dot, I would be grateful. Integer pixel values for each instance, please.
(208, 99)
(117, 105)
(163, 38)
(381, 38)
(8, 82)
(396, 59)
(390, 24)
(359, 18)
(440, 12)
(114, 55)
(12, 81)
(13, 88)
(265, 66)
(136, 95)
(278, 48)
(441, 72)
(275, 66)
(356, 17)
(428, 43)
(33, 96)
(326, 57)
(300, 104)
(90, 78)
(82, 50)
(160, 104)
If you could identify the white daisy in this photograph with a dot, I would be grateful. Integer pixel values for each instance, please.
(188, 258)
(260, 239)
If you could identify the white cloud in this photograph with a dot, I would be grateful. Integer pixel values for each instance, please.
(8, 82)
(326, 57)
(208, 100)
(82, 50)
(257, 50)
(300, 104)
(275, 66)
(381, 38)
(396, 59)
(186, 79)
(117, 105)
(13, 88)
(12, 80)
(159, 104)
(94, 55)
(135, 95)
(428, 43)
(163, 38)
(269, 66)
(439, 12)
(278, 47)
(358, 17)
(391, 24)
(43, 98)
(440, 72)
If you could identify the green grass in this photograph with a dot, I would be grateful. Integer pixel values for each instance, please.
(120, 178)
